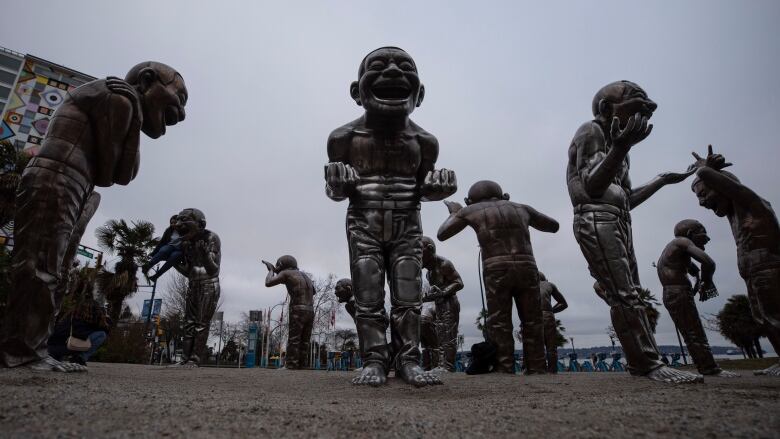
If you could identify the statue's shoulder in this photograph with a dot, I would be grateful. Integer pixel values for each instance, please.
(346, 131)
(422, 135)
(588, 132)
(212, 237)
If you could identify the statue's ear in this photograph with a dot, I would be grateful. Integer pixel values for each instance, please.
(506, 196)
(354, 92)
(467, 200)
(146, 78)
(420, 95)
(605, 108)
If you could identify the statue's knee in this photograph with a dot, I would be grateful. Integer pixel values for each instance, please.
(405, 282)
(368, 281)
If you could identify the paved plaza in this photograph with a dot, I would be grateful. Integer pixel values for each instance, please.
(123, 400)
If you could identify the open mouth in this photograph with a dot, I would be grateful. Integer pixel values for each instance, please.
(391, 92)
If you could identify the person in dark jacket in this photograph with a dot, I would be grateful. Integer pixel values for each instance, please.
(88, 322)
(168, 250)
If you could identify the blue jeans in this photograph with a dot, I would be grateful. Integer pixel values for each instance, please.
(168, 253)
(96, 338)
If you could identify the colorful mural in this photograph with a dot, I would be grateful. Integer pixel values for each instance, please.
(32, 102)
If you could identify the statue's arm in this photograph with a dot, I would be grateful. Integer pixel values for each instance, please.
(640, 194)
(454, 282)
(113, 137)
(213, 256)
(451, 226)
(735, 191)
(560, 301)
(596, 169)
(273, 279)
(435, 185)
(540, 221)
(340, 177)
(707, 264)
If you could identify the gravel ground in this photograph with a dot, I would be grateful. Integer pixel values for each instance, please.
(122, 400)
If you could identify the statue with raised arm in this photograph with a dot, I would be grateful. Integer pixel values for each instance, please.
(548, 292)
(674, 266)
(200, 265)
(445, 282)
(385, 165)
(757, 234)
(92, 140)
(300, 311)
(509, 268)
(602, 195)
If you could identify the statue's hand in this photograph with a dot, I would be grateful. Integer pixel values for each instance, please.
(707, 291)
(269, 266)
(714, 161)
(676, 177)
(439, 184)
(636, 130)
(453, 206)
(341, 176)
(122, 88)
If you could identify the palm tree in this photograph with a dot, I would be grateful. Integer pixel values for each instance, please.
(651, 307)
(736, 324)
(132, 243)
(12, 163)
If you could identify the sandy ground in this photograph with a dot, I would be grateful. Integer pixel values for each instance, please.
(121, 400)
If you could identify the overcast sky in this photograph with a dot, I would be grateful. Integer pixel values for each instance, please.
(507, 84)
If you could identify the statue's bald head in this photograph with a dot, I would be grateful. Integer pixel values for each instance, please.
(164, 72)
(686, 226)
(362, 67)
(485, 190)
(614, 93)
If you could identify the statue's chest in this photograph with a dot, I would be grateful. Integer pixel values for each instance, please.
(385, 155)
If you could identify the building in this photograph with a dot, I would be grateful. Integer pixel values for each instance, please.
(31, 89)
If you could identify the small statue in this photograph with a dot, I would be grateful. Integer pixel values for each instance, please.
(509, 267)
(429, 341)
(674, 265)
(602, 196)
(92, 140)
(200, 265)
(757, 234)
(549, 291)
(343, 291)
(300, 310)
(445, 282)
(384, 164)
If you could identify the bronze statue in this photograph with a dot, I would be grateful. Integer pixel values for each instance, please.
(757, 234)
(300, 310)
(548, 292)
(343, 291)
(509, 268)
(384, 163)
(200, 265)
(92, 140)
(445, 283)
(602, 195)
(429, 341)
(674, 265)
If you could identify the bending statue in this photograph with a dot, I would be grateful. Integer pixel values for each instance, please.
(509, 266)
(602, 195)
(92, 140)
(200, 265)
(343, 291)
(549, 291)
(445, 283)
(674, 265)
(300, 310)
(757, 234)
(384, 164)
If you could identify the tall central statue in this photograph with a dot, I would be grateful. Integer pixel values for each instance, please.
(384, 164)
(602, 196)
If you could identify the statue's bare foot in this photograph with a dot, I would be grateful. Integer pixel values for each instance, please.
(667, 374)
(415, 375)
(185, 365)
(49, 364)
(372, 374)
(773, 370)
(440, 370)
(724, 374)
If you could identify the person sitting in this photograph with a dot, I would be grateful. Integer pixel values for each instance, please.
(168, 250)
(87, 322)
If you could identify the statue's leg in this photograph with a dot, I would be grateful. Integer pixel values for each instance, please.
(604, 239)
(550, 338)
(48, 205)
(764, 294)
(404, 267)
(499, 319)
(294, 338)
(305, 349)
(90, 207)
(364, 226)
(428, 342)
(448, 332)
(529, 309)
(682, 309)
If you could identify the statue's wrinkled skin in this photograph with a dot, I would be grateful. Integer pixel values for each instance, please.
(201, 265)
(92, 140)
(300, 310)
(384, 164)
(757, 234)
(445, 282)
(674, 266)
(548, 292)
(509, 268)
(602, 196)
